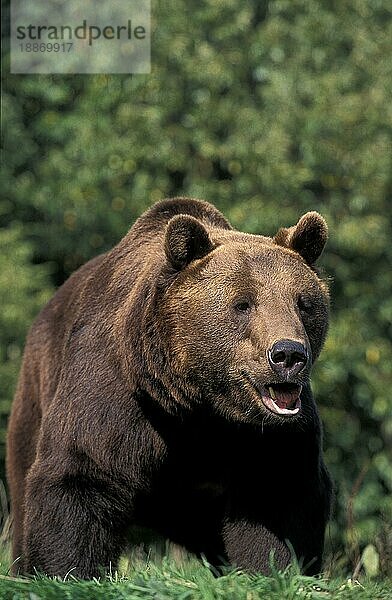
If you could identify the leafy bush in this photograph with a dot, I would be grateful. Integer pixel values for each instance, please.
(23, 289)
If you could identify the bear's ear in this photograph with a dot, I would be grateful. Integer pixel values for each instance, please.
(186, 239)
(308, 237)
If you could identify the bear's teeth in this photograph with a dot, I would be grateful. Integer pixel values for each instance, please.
(272, 393)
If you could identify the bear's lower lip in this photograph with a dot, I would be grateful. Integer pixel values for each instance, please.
(282, 398)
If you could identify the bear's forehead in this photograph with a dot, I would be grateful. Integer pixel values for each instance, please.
(256, 265)
(256, 255)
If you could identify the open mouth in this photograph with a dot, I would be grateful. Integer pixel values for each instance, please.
(282, 398)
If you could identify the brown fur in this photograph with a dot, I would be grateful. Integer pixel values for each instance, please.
(133, 409)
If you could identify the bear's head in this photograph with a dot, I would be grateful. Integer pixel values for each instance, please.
(245, 316)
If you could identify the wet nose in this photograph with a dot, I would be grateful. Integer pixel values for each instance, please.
(287, 357)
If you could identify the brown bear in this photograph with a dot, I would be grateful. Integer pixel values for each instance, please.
(165, 388)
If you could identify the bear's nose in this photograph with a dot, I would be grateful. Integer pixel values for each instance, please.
(287, 357)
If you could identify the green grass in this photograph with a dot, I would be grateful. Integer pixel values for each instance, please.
(190, 580)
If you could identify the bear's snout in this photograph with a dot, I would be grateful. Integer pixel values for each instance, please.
(287, 358)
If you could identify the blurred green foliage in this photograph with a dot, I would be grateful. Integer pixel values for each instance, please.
(266, 109)
(23, 289)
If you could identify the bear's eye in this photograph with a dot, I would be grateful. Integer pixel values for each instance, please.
(304, 304)
(243, 306)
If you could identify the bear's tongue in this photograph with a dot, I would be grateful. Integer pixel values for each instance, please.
(284, 395)
(283, 398)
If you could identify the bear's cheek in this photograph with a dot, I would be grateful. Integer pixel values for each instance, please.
(202, 348)
(316, 327)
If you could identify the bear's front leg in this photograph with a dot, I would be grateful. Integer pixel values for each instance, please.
(248, 545)
(73, 524)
